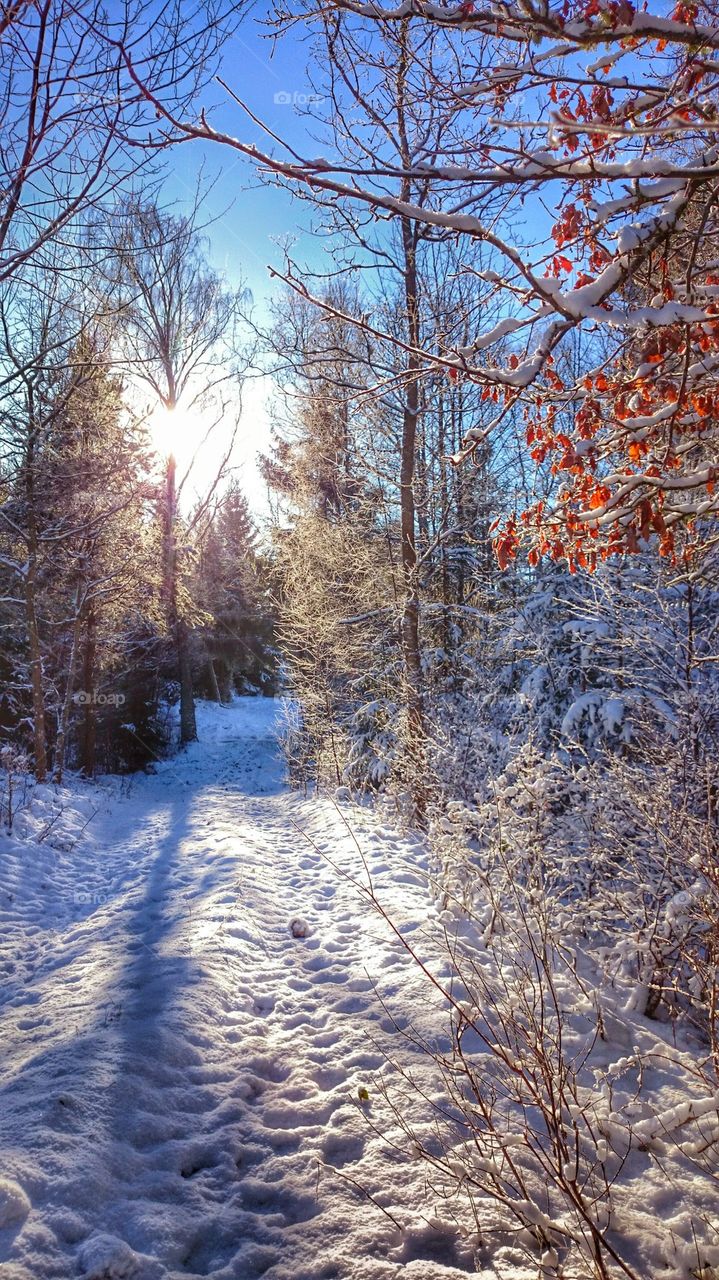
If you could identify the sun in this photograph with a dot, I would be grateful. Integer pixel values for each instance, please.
(172, 431)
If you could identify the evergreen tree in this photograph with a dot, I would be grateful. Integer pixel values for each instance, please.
(231, 587)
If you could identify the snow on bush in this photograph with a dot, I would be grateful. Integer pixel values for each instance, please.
(566, 1118)
(576, 879)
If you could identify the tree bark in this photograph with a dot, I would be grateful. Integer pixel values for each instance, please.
(33, 630)
(445, 505)
(36, 675)
(61, 740)
(411, 648)
(89, 728)
(176, 626)
(212, 679)
(224, 680)
(188, 722)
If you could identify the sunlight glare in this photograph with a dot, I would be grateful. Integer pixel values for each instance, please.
(172, 430)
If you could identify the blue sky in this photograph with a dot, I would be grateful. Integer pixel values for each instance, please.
(251, 219)
(244, 237)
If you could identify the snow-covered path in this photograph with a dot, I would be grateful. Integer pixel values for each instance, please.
(180, 1074)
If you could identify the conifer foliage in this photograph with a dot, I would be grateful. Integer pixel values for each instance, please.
(115, 597)
(232, 586)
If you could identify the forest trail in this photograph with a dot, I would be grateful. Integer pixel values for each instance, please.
(180, 1074)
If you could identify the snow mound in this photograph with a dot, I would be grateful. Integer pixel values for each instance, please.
(106, 1257)
(14, 1204)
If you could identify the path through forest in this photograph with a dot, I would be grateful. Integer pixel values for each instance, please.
(181, 1074)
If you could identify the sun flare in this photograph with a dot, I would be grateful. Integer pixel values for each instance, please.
(171, 430)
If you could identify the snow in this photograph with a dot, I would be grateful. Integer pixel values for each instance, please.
(600, 709)
(105, 1257)
(14, 1204)
(192, 998)
(209, 1031)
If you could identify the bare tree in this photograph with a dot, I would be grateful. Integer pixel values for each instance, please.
(620, 150)
(74, 128)
(180, 340)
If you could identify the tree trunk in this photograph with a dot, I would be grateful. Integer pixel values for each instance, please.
(89, 727)
(411, 650)
(224, 680)
(410, 614)
(445, 506)
(176, 626)
(212, 680)
(188, 722)
(36, 679)
(61, 740)
(33, 631)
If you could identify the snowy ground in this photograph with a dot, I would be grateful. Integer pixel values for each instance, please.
(180, 1076)
(198, 1011)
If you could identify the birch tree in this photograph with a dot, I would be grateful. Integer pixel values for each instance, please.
(180, 342)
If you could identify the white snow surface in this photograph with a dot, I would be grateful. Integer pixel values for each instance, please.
(181, 1069)
(198, 1011)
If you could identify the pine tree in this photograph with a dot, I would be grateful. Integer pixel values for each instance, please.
(231, 588)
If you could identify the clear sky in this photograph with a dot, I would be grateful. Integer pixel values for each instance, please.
(251, 219)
